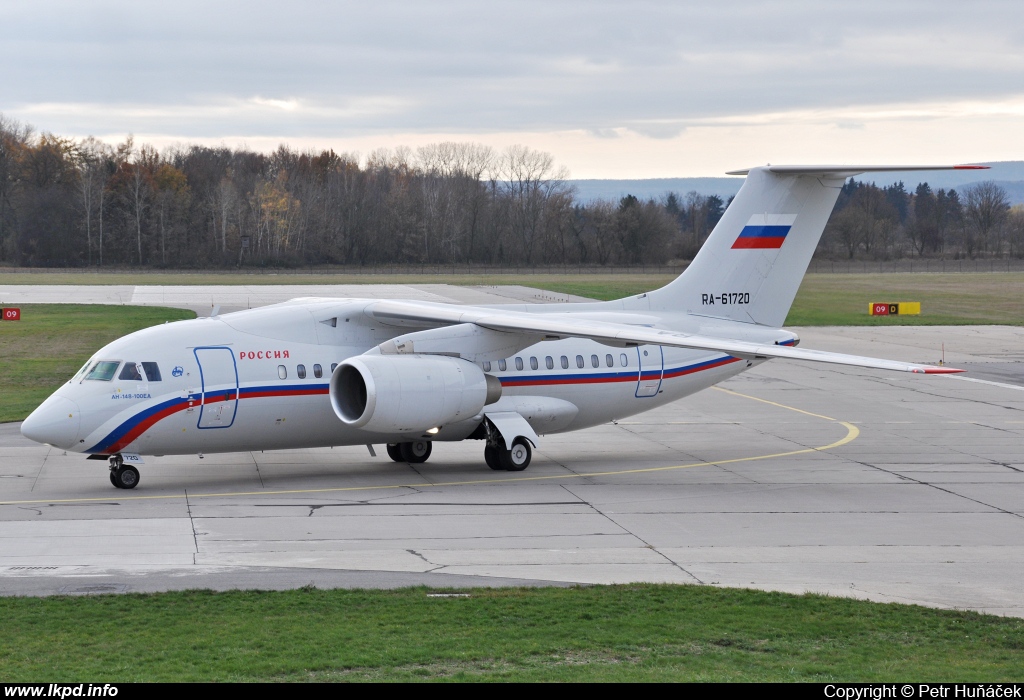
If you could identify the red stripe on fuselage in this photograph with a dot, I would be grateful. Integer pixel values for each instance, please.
(144, 425)
(552, 382)
(690, 370)
(270, 393)
(135, 432)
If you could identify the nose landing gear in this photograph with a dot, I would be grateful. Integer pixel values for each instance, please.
(123, 476)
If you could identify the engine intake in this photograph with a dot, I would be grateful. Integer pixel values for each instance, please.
(409, 393)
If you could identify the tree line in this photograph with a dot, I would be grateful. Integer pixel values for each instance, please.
(86, 203)
(890, 222)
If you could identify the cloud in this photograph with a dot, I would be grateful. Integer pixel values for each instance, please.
(656, 70)
(658, 130)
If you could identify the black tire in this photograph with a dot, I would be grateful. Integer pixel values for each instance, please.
(518, 458)
(113, 480)
(395, 451)
(492, 459)
(127, 477)
(416, 452)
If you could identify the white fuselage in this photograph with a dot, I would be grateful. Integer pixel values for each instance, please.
(260, 380)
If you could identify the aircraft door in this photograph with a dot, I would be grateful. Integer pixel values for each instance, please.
(219, 376)
(652, 367)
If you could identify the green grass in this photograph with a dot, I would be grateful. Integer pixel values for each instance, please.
(946, 299)
(842, 300)
(601, 633)
(823, 299)
(51, 341)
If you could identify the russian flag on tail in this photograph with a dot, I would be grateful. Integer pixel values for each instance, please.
(765, 231)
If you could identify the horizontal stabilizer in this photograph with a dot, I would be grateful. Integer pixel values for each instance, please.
(851, 170)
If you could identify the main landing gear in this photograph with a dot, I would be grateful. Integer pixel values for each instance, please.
(123, 476)
(415, 452)
(501, 458)
(496, 454)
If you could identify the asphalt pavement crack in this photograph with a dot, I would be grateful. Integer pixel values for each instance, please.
(192, 522)
(625, 529)
(919, 482)
(257, 464)
(420, 555)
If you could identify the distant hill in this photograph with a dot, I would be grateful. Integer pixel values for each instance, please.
(614, 190)
(1008, 174)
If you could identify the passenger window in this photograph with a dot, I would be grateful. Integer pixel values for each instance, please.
(501, 365)
(533, 363)
(549, 363)
(334, 366)
(565, 362)
(130, 372)
(579, 361)
(103, 371)
(595, 361)
(152, 371)
(519, 364)
(301, 371)
(318, 371)
(609, 360)
(487, 366)
(282, 371)
(623, 360)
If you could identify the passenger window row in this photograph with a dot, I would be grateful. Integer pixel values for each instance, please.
(563, 362)
(300, 371)
(106, 370)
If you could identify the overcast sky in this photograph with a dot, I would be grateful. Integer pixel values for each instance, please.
(611, 89)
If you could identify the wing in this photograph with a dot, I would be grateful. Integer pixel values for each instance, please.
(557, 326)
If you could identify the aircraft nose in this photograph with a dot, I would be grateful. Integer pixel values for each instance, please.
(56, 422)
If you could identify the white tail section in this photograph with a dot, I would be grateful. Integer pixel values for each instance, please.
(752, 264)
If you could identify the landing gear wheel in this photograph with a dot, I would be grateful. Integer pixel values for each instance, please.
(518, 458)
(395, 451)
(126, 477)
(415, 452)
(113, 480)
(492, 459)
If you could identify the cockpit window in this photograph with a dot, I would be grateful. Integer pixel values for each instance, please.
(152, 371)
(81, 372)
(130, 372)
(103, 370)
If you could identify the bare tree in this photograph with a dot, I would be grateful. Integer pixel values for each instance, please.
(1015, 230)
(14, 140)
(530, 180)
(140, 188)
(93, 156)
(985, 207)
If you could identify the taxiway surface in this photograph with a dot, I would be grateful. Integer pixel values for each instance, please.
(794, 477)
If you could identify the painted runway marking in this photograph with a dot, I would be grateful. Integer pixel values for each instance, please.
(852, 433)
(1004, 385)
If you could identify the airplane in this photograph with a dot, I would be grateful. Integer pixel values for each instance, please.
(316, 372)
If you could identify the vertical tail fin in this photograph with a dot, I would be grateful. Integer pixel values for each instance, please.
(752, 264)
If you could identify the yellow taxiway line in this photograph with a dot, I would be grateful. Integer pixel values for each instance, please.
(852, 433)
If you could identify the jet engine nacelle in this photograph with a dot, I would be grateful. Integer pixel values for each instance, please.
(409, 393)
